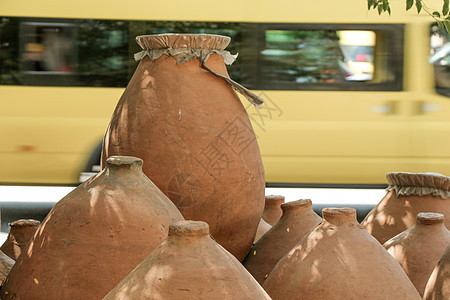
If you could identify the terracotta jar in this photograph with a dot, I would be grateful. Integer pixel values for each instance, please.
(298, 220)
(407, 195)
(272, 208)
(419, 248)
(339, 260)
(6, 264)
(438, 287)
(94, 236)
(263, 227)
(20, 233)
(180, 114)
(189, 265)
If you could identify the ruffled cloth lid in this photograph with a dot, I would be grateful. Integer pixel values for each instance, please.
(186, 47)
(176, 40)
(419, 184)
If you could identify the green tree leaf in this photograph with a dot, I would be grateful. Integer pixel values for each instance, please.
(445, 8)
(369, 4)
(441, 24)
(385, 5)
(447, 25)
(418, 6)
(436, 14)
(409, 4)
(380, 9)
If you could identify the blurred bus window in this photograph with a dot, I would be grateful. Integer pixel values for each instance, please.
(47, 53)
(89, 52)
(308, 57)
(440, 58)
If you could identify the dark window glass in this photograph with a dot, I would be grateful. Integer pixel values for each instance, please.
(440, 58)
(104, 57)
(9, 51)
(76, 52)
(47, 53)
(348, 58)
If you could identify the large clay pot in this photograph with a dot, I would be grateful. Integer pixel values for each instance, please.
(189, 265)
(298, 220)
(272, 208)
(193, 133)
(438, 285)
(20, 233)
(407, 195)
(339, 260)
(94, 236)
(419, 248)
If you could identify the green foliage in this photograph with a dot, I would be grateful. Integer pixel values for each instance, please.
(409, 4)
(380, 5)
(442, 18)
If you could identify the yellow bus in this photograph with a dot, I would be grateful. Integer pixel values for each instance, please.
(349, 95)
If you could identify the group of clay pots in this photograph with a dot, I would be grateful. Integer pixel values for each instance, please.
(175, 210)
(305, 257)
(80, 247)
(117, 236)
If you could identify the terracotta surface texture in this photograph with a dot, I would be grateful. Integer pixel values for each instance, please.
(339, 260)
(298, 220)
(6, 264)
(20, 233)
(438, 286)
(189, 265)
(195, 137)
(263, 227)
(272, 208)
(94, 236)
(408, 194)
(419, 248)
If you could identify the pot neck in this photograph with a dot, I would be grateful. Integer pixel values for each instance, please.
(274, 200)
(292, 207)
(118, 164)
(339, 215)
(187, 229)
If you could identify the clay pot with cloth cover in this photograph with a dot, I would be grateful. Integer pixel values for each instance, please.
(339, 260)
(298, 220)
(438, 285)
(189, 265)
(94, 236)
(419, 248)
(180, 114)
(20, 233)
(407, 195)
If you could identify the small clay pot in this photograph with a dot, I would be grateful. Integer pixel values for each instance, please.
(419, 248)
(94, 236)
(189, 265)
(20, 233)
(6, 264)
(407, 195)
(438, 287)
(263, 227)
(339, 260)
(298, 219)
(272, 208)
